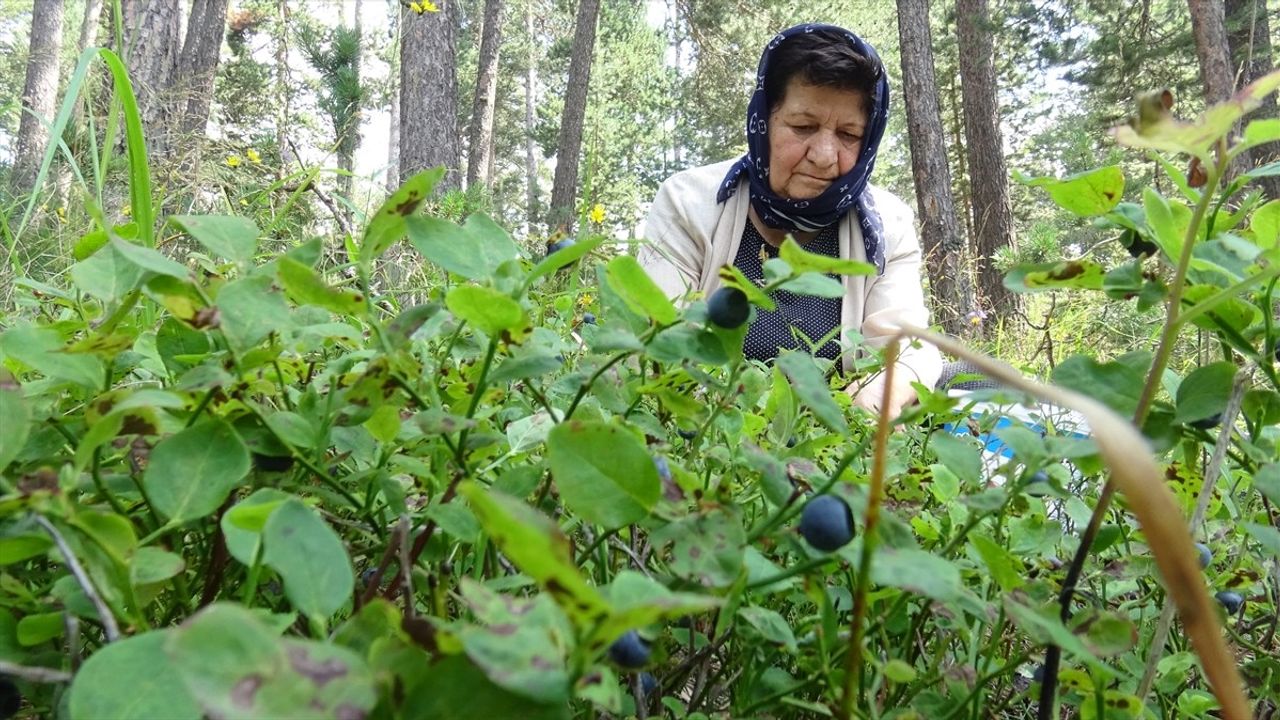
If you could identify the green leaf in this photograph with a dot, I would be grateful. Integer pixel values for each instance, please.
(771, 626)
(1005, 569)
(521, 645)
(564, 257)
(639, 601)
(22, 546)
(150, 260)
(1260, 406)
(229, 236)
(1204, 392)
(1265, 224)
(1084, 194)
(1160, 218)
(250, 309)
(1267, 480)
(107, 275)
(494, 313)
(306, 287)
(152, 565)
(916, 571)
(960, 455)
(1267, 536)
(1043, 626)
(1080, 274)
(42, 350)
(1106, 634)
(37, 628)
(812, 389)
(310, 558)
(707, 548)
(242, 524)
(388, 224)
(802, 261)
(17, 419)
(1116, 384)
(898, 671)
(816, 285)
(191, 473)
(603, 472)
(132, 679)
(473, 250)
(1261, 131)
(641, 294)
(236, 666)
(537, 546)
(455, 689)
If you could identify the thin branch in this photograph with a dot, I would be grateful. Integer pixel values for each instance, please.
(33, 674)
(104, 613)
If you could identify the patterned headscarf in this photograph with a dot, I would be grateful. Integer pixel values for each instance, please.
(846, 192)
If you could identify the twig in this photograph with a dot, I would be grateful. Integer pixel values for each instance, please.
(406, 568)
(33, 674)
(104, 613)
(1202, 504)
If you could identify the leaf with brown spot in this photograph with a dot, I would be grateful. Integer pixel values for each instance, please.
(388, 224)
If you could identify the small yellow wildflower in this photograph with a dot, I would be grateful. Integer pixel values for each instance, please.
(126, 210)
(61, 212)
(584, 300)
(425, 6)
(597, 214)
(253, 156)
(244, 202)
(233, 161)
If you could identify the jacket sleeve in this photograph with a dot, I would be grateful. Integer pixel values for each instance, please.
(897, 297)
(674, 251)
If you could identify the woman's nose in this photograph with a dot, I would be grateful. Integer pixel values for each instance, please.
(822, 149)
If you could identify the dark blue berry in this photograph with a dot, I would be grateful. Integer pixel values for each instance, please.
(558, 246)
(1206, 555)
(688, 434)
(791, 441)
(728, 307)
(589, 318)
(272, 463)
(1232, 601)
(629, 651)
(664, 469)
(827, 523)
(10, 699)
(366, 577)
(648, 683)
(1207, 423)
(1137, 245)
(1037, 675)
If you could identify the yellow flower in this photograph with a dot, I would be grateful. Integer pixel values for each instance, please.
(61, 212)
(584, 300)
(424, 7)
(233, 161)
(597, 214)
(253, 156)
(126, 210)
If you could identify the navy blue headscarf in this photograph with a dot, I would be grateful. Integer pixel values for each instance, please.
(845, 193)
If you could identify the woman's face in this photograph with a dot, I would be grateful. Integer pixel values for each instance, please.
(815, 135)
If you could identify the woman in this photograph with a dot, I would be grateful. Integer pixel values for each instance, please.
(814, 123)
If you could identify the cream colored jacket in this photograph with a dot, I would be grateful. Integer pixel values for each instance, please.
(690, 236)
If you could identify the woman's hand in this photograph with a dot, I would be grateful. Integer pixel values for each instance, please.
(869, 393)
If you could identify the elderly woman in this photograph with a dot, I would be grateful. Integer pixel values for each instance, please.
(814, 123)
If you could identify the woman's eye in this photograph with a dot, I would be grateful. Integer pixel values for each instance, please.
(803, 128)
(850, 137)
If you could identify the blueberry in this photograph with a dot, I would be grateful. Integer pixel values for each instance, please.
(664, 469)
(1232, 601)
(688, 434)
(366, 577)
(272, 463)
(1037, 675)
(791, 441)
(728, 307)
(1206, 555)
(1137, 245)
(630, 650)
(827, 523)
(558, 246)
(10, 699)
(589, 318)
(1207, 423)
(648, 683)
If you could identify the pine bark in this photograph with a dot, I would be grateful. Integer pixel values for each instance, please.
(153, 43)
(428, 95)
(569, 145)
(988, 179)
(197, 66)
(1249, 39)
(1208, 26)
(39, 93)
(480, 137)
(530, 146)
(89, 25)
(939, 229)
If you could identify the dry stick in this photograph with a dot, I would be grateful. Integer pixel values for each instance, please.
(104, 613)
(853, 658)
(1202, 504)
(1135, 473)
(33, 674)
(406, 566)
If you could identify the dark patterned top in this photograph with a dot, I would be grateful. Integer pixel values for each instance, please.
(774, 330)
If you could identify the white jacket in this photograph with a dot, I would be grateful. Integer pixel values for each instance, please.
(690, 236)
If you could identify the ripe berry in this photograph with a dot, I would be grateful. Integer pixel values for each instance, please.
(1137, 245)
(272, 463)
(827, 523)
(648, 683)
(10, 699)
(1232, 601)
(589, 318)
(688, 434)
(728, 307)
(1207, 423)
(630, 650)
(1206, 555)
(558, 245)
(1037, 675)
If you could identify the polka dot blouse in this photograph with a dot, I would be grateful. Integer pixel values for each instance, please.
(812, 317)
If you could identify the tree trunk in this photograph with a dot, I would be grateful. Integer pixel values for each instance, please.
(89, 25)
(480, 139)
(153, 41)
(393, 140)
(988, 179)
(940, 234)
(39, 94)
(428, 95)
(1249, 39)
(530, 146)
(569, 145)
(283, 118)
(1208, 25)
(197, 66)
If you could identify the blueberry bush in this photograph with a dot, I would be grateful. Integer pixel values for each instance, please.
(238, 483)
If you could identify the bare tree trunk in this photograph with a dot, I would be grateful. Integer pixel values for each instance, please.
(480, 139)
(1249, 39)
(428, 95)
(89, 25)
(530, 147)
(282, 88)
(569, 146)
(393, 141)
(39, 94)
(153, 41)
(940, 235)
(1208, 25)
(989, 184)
(197, 66)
